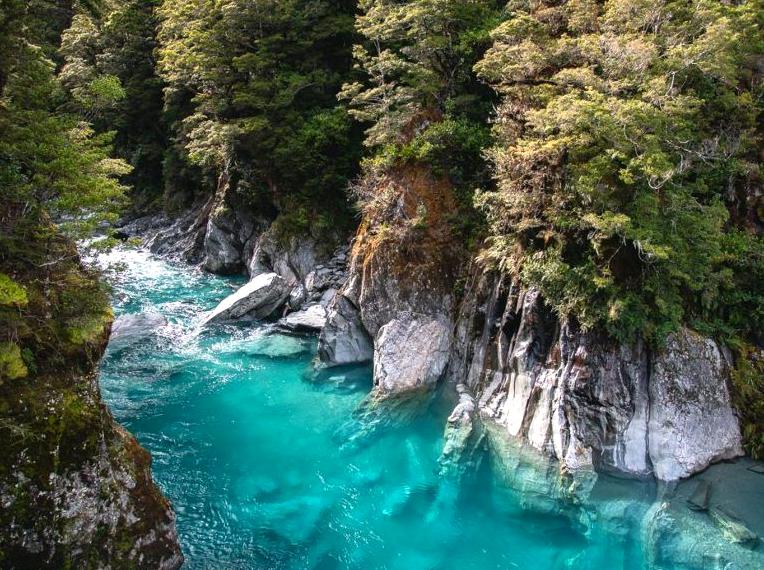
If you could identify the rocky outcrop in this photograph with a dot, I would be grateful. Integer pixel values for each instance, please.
(75, 488)
(232, 227)
(180, 238)
(584, 400)
(314, 272)
(293, 258)
(345, 340)
(462, 438)
(397, 298)
(258, 299)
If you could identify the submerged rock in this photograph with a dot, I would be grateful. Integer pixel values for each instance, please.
(129, 330)
(733, 529)
(700, 497)
(462, 437)
(276, 346)
(258, 299)
(677, 537)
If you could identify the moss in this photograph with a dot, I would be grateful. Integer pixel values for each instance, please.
(11, 293)
(12, 364)
(53, 425)
(748, 396)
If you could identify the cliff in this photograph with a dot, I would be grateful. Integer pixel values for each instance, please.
(576, 396)
(75, 488)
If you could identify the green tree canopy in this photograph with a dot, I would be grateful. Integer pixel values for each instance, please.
(626, 136)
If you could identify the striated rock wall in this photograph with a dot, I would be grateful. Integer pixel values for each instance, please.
(570, 394)
(586, 401)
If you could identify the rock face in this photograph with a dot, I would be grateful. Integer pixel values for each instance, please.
(345, 340)
(582, 399)
(571, 394)
(258, 299)
(411, 352)
(691, 419)
(396, 304)
(231, 227)
(180, 238)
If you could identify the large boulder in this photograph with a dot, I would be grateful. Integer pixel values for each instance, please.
(258, 299)
(692, 423)
(410, 353)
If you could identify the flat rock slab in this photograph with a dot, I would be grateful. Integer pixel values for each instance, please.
(311, 319)
(258, 299)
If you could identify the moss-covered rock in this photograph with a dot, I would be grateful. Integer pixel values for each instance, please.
(75, 488)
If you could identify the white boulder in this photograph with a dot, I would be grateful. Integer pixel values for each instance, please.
(692, 423)
(410, 353)
(258, 299)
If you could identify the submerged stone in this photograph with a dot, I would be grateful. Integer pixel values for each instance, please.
(700, 497)
(733, 529)
(131, 329)
(276, 346)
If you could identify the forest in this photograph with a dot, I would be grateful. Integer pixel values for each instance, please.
(608, 153)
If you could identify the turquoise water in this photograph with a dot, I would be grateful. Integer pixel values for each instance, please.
(253, 451)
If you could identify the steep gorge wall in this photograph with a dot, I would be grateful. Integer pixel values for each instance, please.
(572, 395)
(586, 401)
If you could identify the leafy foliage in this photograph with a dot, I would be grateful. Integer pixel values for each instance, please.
(420, 97)
(53, 167)
(417, 60)
(748, 392)
(262, 78)
(627, 133)
(110, 71)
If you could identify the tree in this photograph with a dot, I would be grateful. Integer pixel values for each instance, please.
(110, 72)
(624, 132)
(261, 77)
(417, 57)
(53, 167)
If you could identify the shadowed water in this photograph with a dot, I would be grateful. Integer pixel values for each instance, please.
(252, 452)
